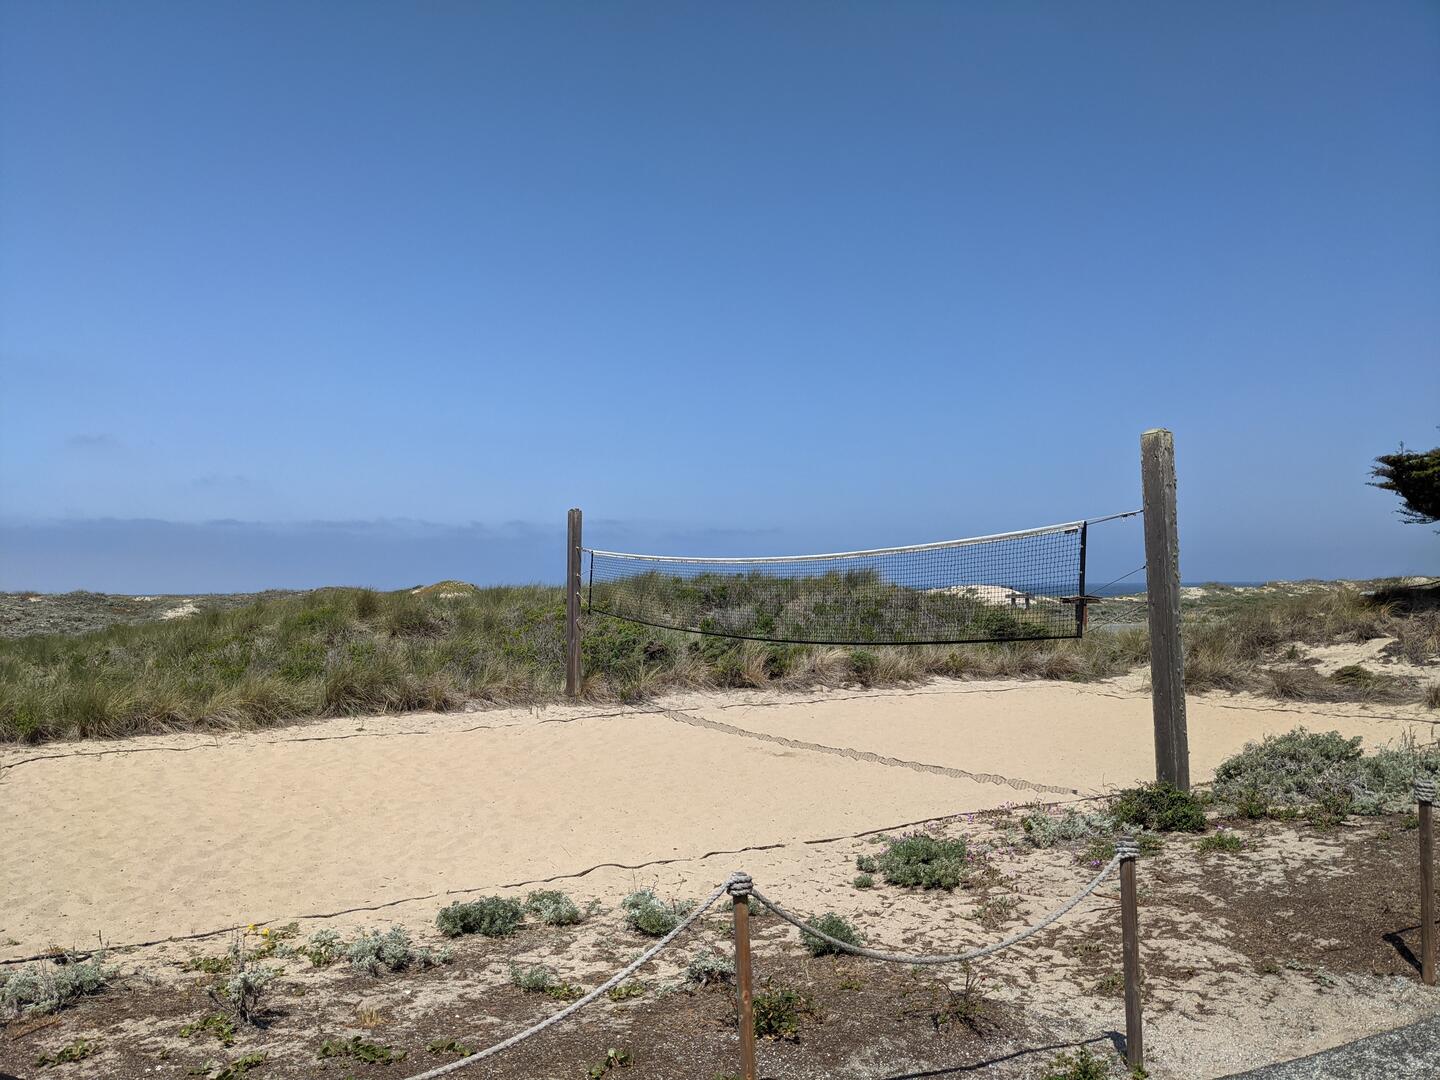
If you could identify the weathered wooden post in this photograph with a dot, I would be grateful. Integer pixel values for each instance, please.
(572, 606)
(739, 889)
(1162, 583)
(1425, 800)
(1129, 850)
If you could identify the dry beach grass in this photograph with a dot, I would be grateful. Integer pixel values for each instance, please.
(345, 652)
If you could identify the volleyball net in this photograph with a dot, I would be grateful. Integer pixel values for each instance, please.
(1015, 586)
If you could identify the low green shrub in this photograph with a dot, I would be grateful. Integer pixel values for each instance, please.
(709, 968)
(322, 948)
(452, 1048)
(1081, 1065)
(1325, 770)
(539, 979)
(866, 864)
(232, 1070)
(532, 978)
(217, 1024)
(923, 861)
(648, 914)
(625, 991)
(1159, 807)
(1221, 841)
(777, 1014)
(45, 987)
(1102, 849)
(391, 950)
(836, 927)
(78, 1050)
(864, 665)
(492, 916)
(864, 881)
(1044, 829)
(553, 908)
(355, 1047)
(614, 1058)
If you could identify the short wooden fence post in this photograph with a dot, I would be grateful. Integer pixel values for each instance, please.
(739, 890)
(1425, 800)
(1130, 934)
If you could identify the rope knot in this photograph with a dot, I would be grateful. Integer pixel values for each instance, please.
(1424, 789)
(738, 885)
(1126, 847)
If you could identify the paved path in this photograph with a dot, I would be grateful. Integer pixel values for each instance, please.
(1402, 1054)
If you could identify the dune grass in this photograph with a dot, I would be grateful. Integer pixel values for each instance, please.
(337, 652)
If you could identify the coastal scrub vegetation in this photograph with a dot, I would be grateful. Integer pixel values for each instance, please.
(1304, 769)
(342, 651)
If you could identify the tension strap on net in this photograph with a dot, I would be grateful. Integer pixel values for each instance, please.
(1015, 586)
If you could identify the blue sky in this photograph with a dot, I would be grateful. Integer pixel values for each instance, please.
(297, 293)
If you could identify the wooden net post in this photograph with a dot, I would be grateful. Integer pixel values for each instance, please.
(573, 674)
(1162, 584)
(1425, 806)
(744, 991)
(1130, 934)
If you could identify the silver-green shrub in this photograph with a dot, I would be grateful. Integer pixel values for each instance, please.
(553, 908)
(1044, 829)
(391, 951)
(647, 913)
(708, 967)
(1303, 767)
(48, 987)
(533, 979)
(323, 947)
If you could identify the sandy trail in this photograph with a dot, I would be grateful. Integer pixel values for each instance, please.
(151, 837)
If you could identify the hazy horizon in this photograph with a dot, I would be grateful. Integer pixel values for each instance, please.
(151, 556)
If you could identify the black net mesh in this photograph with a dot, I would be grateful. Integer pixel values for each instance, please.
(1014, 587)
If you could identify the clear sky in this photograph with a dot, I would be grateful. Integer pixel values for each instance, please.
(301, 293)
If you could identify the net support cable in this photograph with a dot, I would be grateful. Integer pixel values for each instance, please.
(1027, 585)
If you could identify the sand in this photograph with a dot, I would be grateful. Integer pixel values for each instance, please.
(143, 839)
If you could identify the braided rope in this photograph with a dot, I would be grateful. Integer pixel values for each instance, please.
(1424, 789)
(863, 755)
(614, 980)
(956, 958)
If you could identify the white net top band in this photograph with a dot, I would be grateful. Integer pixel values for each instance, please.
(1042, 530)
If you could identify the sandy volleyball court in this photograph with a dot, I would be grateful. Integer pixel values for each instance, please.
(162, 836)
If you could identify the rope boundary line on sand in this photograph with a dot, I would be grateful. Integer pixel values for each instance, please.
(740, 885)
(865, 755)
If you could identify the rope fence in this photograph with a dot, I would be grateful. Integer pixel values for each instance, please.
(575, 1006)
(741, 889)
(943, 958)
